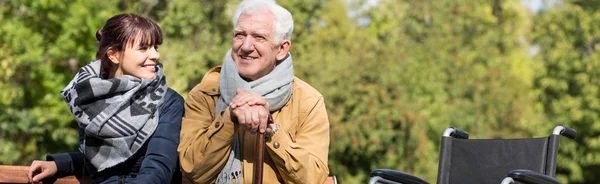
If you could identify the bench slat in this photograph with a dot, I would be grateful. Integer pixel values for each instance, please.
(18, 174)
(10, 174)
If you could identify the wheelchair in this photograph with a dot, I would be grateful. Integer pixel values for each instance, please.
(481, 161)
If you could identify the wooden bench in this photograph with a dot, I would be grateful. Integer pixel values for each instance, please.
(18, 175)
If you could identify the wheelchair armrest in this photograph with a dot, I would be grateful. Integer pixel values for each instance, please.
(565, 131)
(397, 176)
(527, 176)
(456, 133)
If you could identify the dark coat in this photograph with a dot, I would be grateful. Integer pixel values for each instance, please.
(155, 162)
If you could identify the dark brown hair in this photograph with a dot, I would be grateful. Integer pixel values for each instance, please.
(121, 30)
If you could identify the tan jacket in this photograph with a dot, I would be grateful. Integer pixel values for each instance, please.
(297, 153)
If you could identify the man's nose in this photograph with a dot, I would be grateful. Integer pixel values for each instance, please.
(248, 44)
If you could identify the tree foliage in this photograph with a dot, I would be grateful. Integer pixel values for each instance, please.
(394, 74)
(568, 82)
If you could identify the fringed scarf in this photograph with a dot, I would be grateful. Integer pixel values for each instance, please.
(118, 115)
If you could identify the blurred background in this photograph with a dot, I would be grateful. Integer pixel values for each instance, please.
(394, 73)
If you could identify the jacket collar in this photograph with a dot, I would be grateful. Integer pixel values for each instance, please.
(210, 81)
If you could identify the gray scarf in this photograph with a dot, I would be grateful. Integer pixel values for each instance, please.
(275, 87)
(117, 114)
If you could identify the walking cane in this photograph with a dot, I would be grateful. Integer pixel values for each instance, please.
(260, 154)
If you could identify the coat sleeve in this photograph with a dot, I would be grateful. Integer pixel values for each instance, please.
(67, 164)
(205, 141)
(160, 160)
(302, 157)
(70, 163)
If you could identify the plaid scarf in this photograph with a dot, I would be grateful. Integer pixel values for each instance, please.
(117, 114)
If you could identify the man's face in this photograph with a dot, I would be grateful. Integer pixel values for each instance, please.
(254, 50)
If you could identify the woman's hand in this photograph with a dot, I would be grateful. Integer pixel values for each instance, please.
(40, 170)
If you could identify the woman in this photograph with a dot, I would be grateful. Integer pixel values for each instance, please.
(129, 120)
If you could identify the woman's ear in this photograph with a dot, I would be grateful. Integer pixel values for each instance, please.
(113, 56)
(284, 48)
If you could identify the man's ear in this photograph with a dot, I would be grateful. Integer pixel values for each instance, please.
(113, 56)
(284, 48)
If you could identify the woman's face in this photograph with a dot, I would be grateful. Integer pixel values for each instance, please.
(138, 59)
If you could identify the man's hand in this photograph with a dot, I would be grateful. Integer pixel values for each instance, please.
(40, 170)
(251, 110)
(251, 98)
(253, 117)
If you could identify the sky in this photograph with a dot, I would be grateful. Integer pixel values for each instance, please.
(533, 5)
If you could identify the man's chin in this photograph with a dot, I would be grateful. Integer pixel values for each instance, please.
(247, 75)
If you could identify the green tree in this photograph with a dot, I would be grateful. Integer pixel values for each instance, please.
(417, 68)
(42, 43)
(394, 75)
(198, 34)
(567, 36)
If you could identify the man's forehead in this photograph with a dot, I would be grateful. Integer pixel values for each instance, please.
(255, 23)
(262, 31)
(265, 16)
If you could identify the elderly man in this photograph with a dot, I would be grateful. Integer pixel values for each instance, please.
(234, 102)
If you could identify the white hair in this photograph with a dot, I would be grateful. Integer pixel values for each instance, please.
(284, 24)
